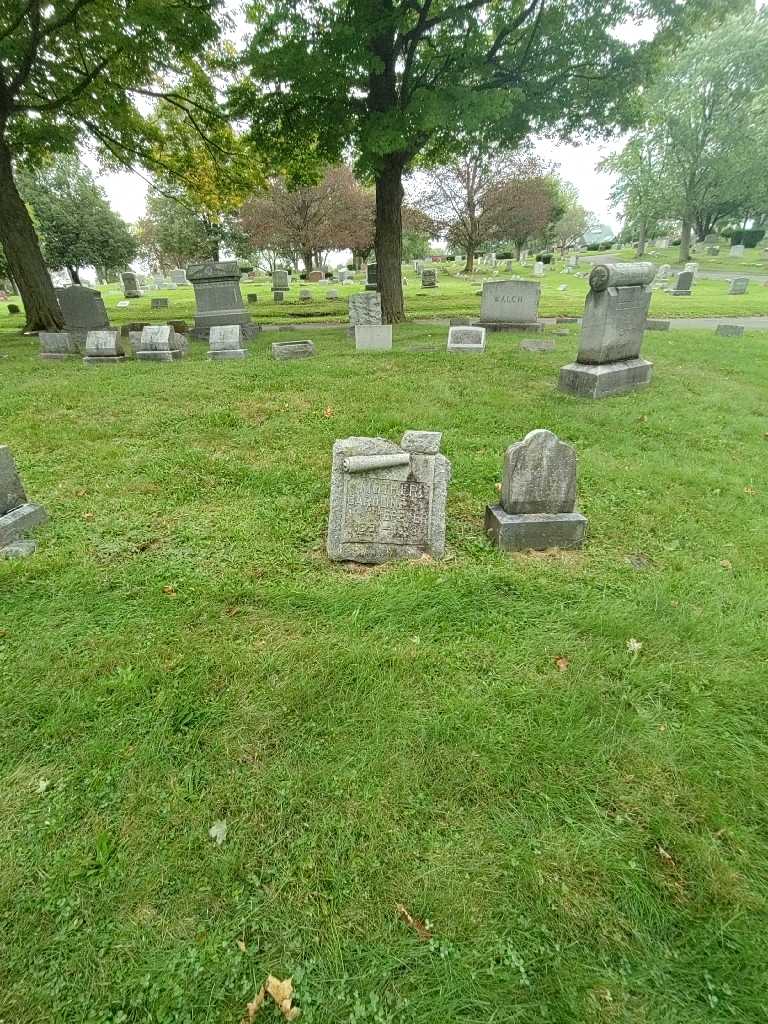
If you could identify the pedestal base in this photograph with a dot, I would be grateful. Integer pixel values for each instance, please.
(17, 522)
(500, 325)
(202, 331)
(535, 532)
(602, 380)
(160, 357)
(228, 353)
(93, 360)
(680, 291)
(56, 356)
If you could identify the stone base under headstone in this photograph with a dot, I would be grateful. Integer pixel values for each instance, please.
(371, 287)
(160, 357)
(56, 356)
(91, 360)
(228, 353)
(19, 549)
(499, 325)
(537, 345)
(657, 325)
(202, 333)
(14, 524)
(679, 291)
(602, 380)
(537, 532)
(729, 330)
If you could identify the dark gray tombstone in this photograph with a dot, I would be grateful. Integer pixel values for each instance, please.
(218, 298)
(83, 310)
(17, 515)
(371, 277)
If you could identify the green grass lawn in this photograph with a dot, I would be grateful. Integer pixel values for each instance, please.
(754, 261)
(455, 296)
(588, 843)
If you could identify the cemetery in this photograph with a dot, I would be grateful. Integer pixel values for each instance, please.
(382, 631)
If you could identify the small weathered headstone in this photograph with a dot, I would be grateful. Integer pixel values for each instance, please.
(510, 306)
(683, 284)
(131, 287)
(713, 250)
(371, 277)
(292, 349)
(737, 250)
(729, 330)
(281, 281)
(538, 269)
(388, 501)
(657, 325)
(608, 361)
(739, 286)
(315, 276)
(252, 298)
(103, 347)
(538, 497)
(332, 295)
(56, 345)
(364, 308)
(226, 342)
(537, 345)
(429, 278)
(159, 303)
(159, 344)
(466, 339)
(179, 277)
(17, 515)
(373, 337)
(278, 296)
(305, 295)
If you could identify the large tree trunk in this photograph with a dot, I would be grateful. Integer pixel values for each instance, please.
(389, 238)
(470, 267)
(22, 251)
(74, 273)
(685, 241)
(307, 259)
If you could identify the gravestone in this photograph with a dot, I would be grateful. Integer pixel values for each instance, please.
(418, 266)
(371, 277)
(332, 295)
(131, 287)
(179, 277)
(657, 325)
(305, 295)
(159, 343)
(573, 261)
(278, 296)
(161, 303)
(684, 282)
(17, 515)
(510, 306)
(315, 276)
(292, 349)
(364, 308)
(83, 310)
(103, 347)
(608, 361)
(729, 330)
(739, 286)
(157, 280)
(537, 345)
(466, 339)
(218, 298)
(281, 281)
(429, 278)
(713, 250)
(711, 239)
(737, 250)
(538, 497)
(692, 267)
(57, 345)
(664, 271)
(388, 500)
(538, 268)
(226, 342)
(373, 337)
(253, 298)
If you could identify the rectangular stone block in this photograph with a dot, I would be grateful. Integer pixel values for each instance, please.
(218, 298)
(510, 302)
(603, 380)
(103, 347)
(159, 344)
(292, 349)
(536, 345)
(739, 286)
(657, 325)
(161, 303)
(12, 493)
(57, 345)
(466, 339)
(537, 531)
(373, 337)
(729, 330)
(18, 521)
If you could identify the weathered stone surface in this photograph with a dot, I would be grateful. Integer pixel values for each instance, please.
(18, 521)
(226, 342)
(281, 281)
(158, 303)
(539, 475)
(292, 349)
(664, 271)
(332, 295)
(364, 308)
(466, 339)
(160, 344)
(305, 295)
(315, 276)
(56, 345)
(509, 304)
(713, 250)
(373, 337)
(534, 532)
(83, 310)
(19, 549)
(12, 492)
(278, 296)
(103, 347)
(537, 345)
(429, 278)
(729, 330)
(739, 286)
(615, 312)
(131, 287)
(460, 321)
(657, 325)
(179, 277)
(218, 298)
(538, 268)
(388, 502)
(683, 284)
(371, 277)
(253, 298)
(605, 379)
(737, 250)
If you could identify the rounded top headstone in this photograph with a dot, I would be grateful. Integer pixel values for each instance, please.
(620, 275)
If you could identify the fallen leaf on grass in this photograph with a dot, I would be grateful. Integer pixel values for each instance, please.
(750, 490)
(169, 590)
(328, 412)
(725, 564)
(561, 663)
(634, 647)
(280, 991)
(80, 492)
(241, 945)
(88, 516)
(413, 922)
(218, 831)
(42, 785)
(665, 856)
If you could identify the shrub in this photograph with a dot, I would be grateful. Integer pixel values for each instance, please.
(748, 238)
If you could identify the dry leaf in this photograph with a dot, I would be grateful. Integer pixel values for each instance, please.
(498, 488)
(562, 663)
(667, 857)
(749, 490)
(80, 492)
(328, 412)
(413, 922)
(241, 945)
(169, 590)
(88, 516)
(726, 564)
(218, 831)
(253, 1007)
(282, 994)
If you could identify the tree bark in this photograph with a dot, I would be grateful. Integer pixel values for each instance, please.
(74, 273)
(685, 241)
(470, 267)
(307, 259)
(22, 251)
(389, 238)
(641, 241)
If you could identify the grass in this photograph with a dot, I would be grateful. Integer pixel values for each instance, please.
(754, 261)
(455, 296)
(587, 844)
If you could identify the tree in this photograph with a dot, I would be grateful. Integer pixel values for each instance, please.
(569, 229)
(637, 187)
(69, 71)
(524, 206)
(73, 217)
(171, 234)
(407, 81)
